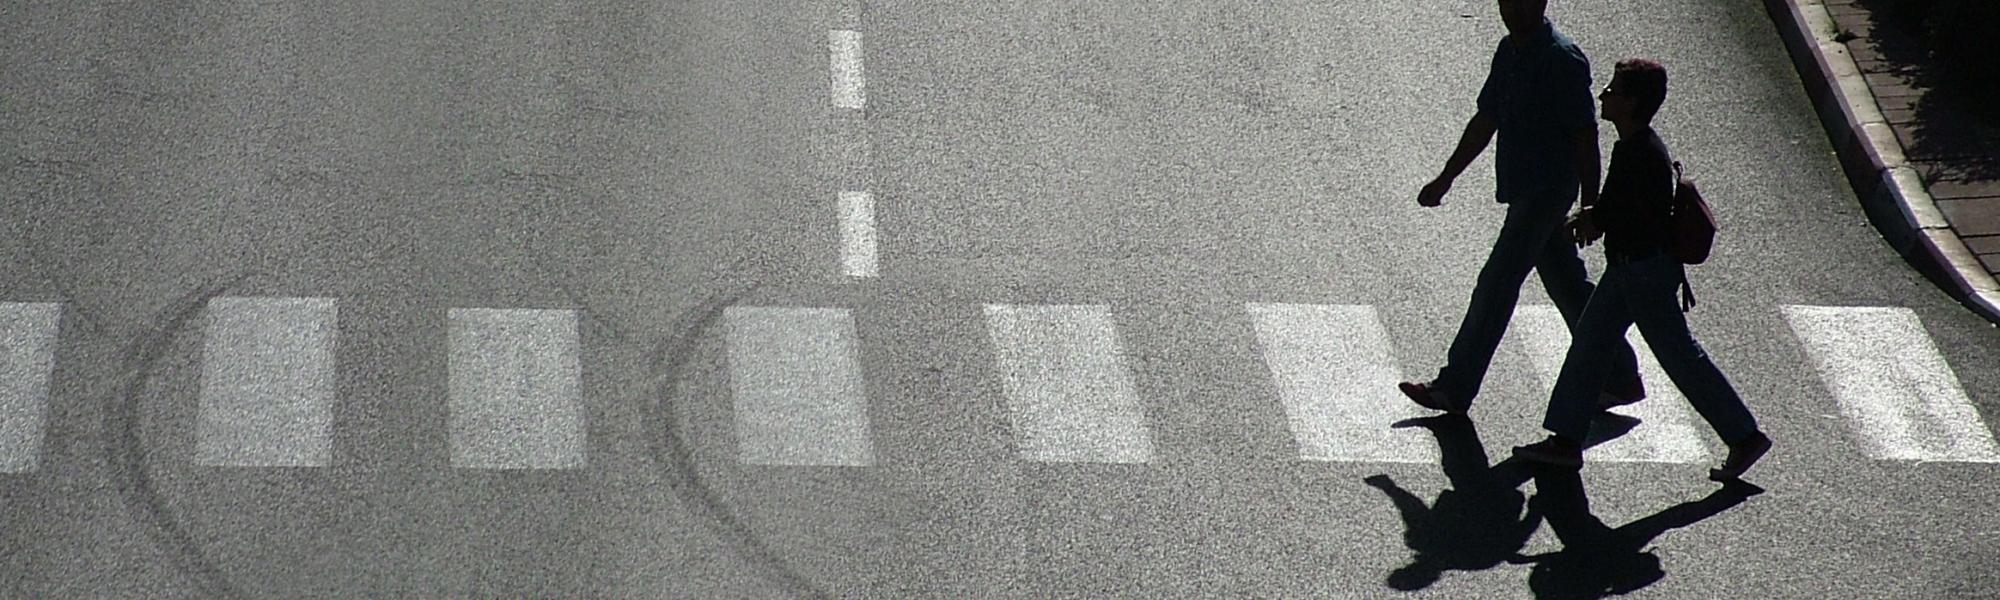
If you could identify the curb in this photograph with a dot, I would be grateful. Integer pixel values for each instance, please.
(1891, 192)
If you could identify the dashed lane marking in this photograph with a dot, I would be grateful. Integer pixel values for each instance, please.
(849, 83)
(857, 234)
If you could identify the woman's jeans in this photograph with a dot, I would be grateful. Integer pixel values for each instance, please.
(1642, 293)
(1532, 238)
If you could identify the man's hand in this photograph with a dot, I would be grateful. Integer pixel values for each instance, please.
(1583, 229)
(1433, 192)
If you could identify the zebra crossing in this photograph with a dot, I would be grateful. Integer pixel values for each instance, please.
(1671, 433)
(27, 358)
(267, 383)
(799, 397)
(1330, 364)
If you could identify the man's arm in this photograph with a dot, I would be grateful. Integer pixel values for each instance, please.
(1587, 167)
(1583, 227)
(1478, 132)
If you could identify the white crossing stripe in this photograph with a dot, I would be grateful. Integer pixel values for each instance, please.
(857, 233)
(1667, 431)
(1335, 372)
(1068, 392)
(848, 82)
(1894, 387)
(27, 359)
(798, 392)
(515, 389)
(267, 383)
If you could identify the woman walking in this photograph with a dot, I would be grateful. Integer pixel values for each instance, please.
(1639, 287)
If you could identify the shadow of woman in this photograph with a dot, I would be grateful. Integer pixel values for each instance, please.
(1597, 561)
(1478, 523)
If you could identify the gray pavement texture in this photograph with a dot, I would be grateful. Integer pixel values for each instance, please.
(651, 164)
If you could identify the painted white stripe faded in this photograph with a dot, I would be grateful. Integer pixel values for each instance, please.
(849, 85)
(799, 396)
(1068, 392)
(1898, 394)
(1336, 374)
(857, 234)
(267, 383)
(1667, 430)
(516, 381)
(27, 360)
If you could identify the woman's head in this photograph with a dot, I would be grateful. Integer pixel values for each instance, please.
(1638, 87)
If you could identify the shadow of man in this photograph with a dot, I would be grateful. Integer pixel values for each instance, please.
(1597, 561)
(1478, 523)
(1475, 525)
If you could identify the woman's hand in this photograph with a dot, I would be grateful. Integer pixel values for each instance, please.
(1582, 229)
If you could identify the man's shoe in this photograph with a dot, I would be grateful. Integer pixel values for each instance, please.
(1429, 397)
(1741, 455)
(1554, 451)
(1621, 394)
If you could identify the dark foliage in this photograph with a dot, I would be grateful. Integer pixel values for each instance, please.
(1962, 35)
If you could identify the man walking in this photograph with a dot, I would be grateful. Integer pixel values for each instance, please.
(1537, 98)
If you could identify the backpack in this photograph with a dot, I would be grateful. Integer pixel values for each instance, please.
(1691, 229)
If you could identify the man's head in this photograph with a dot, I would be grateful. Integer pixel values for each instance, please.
(1522, 16)
(1638, 87)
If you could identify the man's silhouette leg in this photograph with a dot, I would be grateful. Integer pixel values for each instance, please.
(1568, 283)
(1515, 251)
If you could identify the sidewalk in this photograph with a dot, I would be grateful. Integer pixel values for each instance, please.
(1926, 170)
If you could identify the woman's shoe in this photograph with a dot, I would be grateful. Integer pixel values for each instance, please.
(1553, 451)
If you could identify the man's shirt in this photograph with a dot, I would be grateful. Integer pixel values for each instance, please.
(1538, 91)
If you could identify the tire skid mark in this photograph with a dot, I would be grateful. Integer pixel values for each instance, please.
(668, 358)
(670, 448)
(46, 175)
(127, 453)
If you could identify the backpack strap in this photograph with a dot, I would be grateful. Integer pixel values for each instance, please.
(1687, 293)
(1674, 187)
(1687, 290)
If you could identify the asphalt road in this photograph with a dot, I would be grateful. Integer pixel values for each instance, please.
(651, 166)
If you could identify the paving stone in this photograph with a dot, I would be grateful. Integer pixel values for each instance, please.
(1845, 9)
(1983, 244)
(1972, 217)
(1858, 22)
(1934, 171)
(1881, 66)
(1884, 85)
(1926, 140)
(1894, 49)
(1957, 190)
(1992, 262)
(1900, 117)
(1898, 103)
